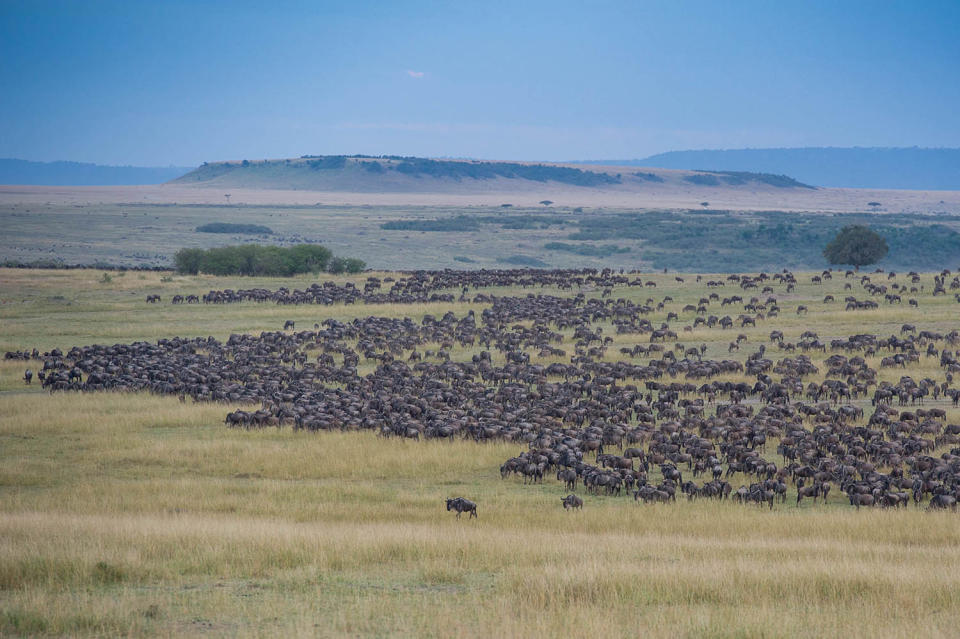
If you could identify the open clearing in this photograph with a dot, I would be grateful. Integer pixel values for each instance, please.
(136, 514)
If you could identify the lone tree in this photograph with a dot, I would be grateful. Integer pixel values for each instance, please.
(856, 245)
(546, 202)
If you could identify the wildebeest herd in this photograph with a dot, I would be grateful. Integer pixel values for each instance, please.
(596, 388)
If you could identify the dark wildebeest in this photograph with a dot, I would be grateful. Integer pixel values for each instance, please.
(289, 324)
(462, 505)
(858, 499)
(572, 501)
(943, 501)
(569, 477)
(28, 376)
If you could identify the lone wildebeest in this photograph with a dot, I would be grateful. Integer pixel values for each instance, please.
(572, 501)
(462, 505)
(289, 324)
(28, 376)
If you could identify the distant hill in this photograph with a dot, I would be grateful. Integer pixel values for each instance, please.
(862, 168)
(394, 174)
(81, 174)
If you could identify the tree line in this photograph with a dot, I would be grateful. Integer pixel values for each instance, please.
(254, 259)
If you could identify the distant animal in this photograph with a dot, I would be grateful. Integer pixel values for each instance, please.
(28, 376)
(461, 505)
(289, 324)
(572, 501)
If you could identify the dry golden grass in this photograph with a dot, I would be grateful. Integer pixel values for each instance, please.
(138, 515)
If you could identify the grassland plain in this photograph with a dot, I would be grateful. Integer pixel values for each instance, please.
(410, 237)
(134, 514)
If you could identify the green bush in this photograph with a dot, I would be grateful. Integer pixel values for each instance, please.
(339, 265)
(856, 245)
(308, 258)
(252, 259)
(188, 260)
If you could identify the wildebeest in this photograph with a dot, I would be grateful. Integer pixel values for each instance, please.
(572, 501)
(568, 476)
(562, 411)
(462, 505)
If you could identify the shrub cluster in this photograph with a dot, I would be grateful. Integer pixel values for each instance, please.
(226, 227)
(856, 245)
(59, 264)
(253, 259)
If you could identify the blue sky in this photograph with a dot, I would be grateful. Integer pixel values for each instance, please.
(177, 82)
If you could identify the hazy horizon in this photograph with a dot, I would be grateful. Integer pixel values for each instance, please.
(176, 83)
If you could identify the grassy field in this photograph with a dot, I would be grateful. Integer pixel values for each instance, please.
(140, 515)
(149, 234)
(146, 235)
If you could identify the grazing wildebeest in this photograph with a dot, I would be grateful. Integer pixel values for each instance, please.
(572, 501)
(563, 412)
(807, 491)
(568, 476)
(289, 324)
(461, 505)
(943, 501)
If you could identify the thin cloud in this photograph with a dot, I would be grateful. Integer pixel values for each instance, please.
(415, 74)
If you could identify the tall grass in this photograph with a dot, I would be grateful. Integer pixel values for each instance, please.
(139, 515)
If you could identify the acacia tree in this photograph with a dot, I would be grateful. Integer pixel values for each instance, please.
(856, 245)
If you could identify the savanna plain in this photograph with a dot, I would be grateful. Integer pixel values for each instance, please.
(144, 515)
